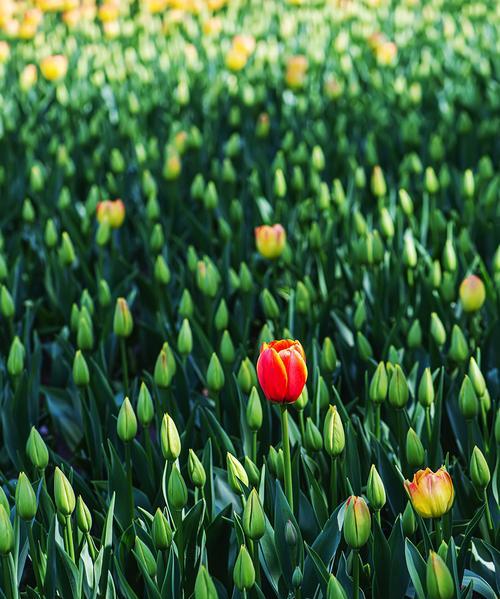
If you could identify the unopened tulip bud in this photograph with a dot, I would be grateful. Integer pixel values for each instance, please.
(246, 279)
(479, 469)
(244, 571)
(357, 522)
(215, 375)
(157, 239)
(398, 389)
(164, 367)
(15, 361)
(252, 472)
(375, 490)
(415, 335)
(313, 440)
(333, 433)
(226, 348)
(204, 587)
(328, 355)
(104, 293)
(161, 270)
(431, 180)
(409, 521)
(177, 492)
(66, 250)
(386, 223)
(409, 250)
(254, 411)
(253, 519)
(186, 305)
(36, 450)
(126, 426)
(145, 406)
(415, 453)
(459, 349)
(7, 307)
(334, 589)
(145, 557)
(247, 376)
(443, 550)
(359, 314)
(279, 184)
(477, 378)
(211, 196)
(438, 578)
(196, 470)
(467, 400)
(207, 277)
(364, 347)
(269, 305)
(185, 338)
(161, 533)
(123, 323)
(63, 494)
(85, 334)
(468, 184)
(406, 202)
(170, 439)
(449, 256)
(438, 331)
(436, 274)
(81, 374)
(6, 532)
(26, 505)
(379, 384)
(236, 474)
(426, 389)
(28, 212)
(83, 516)
(378, 185)
(221, 318)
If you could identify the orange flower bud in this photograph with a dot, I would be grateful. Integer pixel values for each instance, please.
(431, 493)
(54, 67)
(112, 212)
(296, 71)
(282, 370)
(472, 293)
(270, 241)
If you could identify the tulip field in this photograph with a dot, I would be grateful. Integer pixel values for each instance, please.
(249, 299)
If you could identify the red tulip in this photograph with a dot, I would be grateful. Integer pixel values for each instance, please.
(282, 370)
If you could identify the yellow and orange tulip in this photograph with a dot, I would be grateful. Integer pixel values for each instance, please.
(431, 493)
(270, 240)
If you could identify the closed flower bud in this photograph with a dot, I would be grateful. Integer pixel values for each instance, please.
(415, 453)
(290, 534)
(426, 389)
(409, 521)
(145, 406)
(15, 361)
(221, 318)
(204, 587)
(81, 374)
(170, 439)
(328, 356)
(66, 250)
(123, 323)
(459, 350)
(269, 305)
(85, 334)
(145, 557)
(436, 275)
(157, 239)
(36, 450)
(378, 185)
(409, 250)
(437, 330)
(211, 196)
(103, 233)
(357, 522)
(161, 270)
(302, 400)
(386, 223)
(236, 474)
(359, 314)
(161, 533)
(467, 400)
(186, 305)
(334, 589)
(438, 578)
(415, 335)
(477, 378)
(253, 519)
(6, 303)
(177, 493)
(279, 183)
(215, 375)
(247, 377)
(431, 180)
(313, 440)
(25, 498)
(244, 571)
(164, 367)
(252, 472)
(254, 411)
(185, 338)
(479, 469)
(379, 384)
(104, 293)
(364, 347)
(207, 277)
(246, 279)
(333, 433)
(83, 516)
(468, 183)
(226, 348)
(443, 550)
(196, 470)
(449, 256)
(126, 426)
(6, 532)
(63, 494)
(398, 389)
(406, 202)
(375, 490)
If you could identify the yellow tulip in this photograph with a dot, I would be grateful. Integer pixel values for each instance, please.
(431, 493)
(54, 67)
(270, 241)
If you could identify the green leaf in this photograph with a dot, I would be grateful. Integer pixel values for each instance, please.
(416, 567)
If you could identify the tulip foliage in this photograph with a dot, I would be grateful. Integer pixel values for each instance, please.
(249, 299)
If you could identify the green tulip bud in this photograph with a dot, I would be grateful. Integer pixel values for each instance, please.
(252, 472)
(436, 274)
(415, 453)
(477, 378)
(210, 197)
(157, 239)
(164, 367)
(375, 490)
(467, 400)
(302, 400)
(265, 335)
(161, 533)
(247, 376)
(204, 587)
(196, 470)
(415, 335)
(185, 339)
(379, 384)
(221, 318)
(409, 521)
(177, 492)
(357, 522)
(145, 406)
(360, 178)
(386, 223)
(83, 516)
(254, 520)
(36, 450)
(378, 185)
(103, 233)
(334, 589)
(244, 572)
(215, 375)
(161, 270)
(479, 469)
(226, 348)
(85, 334)
(359, 314)
(437, 330)
(186, 305)
(28, 212)
(170, 439)
(269, 305)
(192, 258)
(333, 433)
(468, 184)
(313, 440)
(431, 180)
(438, 578)
(364, 347)
(152, 208)
(87, 302)
(279, 183)
(81, 374)
(15, 361)
(6, 532)
(449, 256)
(126, 426)
(443, 550)
(25, 498)
(409, 250)
(236, 474)
(123, 323)
(104, 293)
(406, 202)
(426, 389)
(246, 279)
(297, 577)
(63, 494)
(398, 389)
(328, 355)
(459, 349)
(7, 307)
(66, 250)
(145, 557)
(207, 277)
(290, 534)
(254, 411)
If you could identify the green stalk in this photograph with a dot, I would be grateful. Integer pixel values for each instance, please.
(286, 455)
(333, 482)
(439, 533)
(69, 533)
(428, 423)
(123, 352)
(355, 573)
(128, 465)
(254, 447)
(487, 512)
(377, 421)
(34, 559)
(302, 426)
(7, 579)
(470, 438)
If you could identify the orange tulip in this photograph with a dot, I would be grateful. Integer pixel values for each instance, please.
(270, 241)
(472, 293)
(111, 211)
(431, 493)
(296, 71)
(54, 67)
(282, 370)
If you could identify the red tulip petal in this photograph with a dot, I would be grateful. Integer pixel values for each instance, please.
(296, 370)
(272, 375)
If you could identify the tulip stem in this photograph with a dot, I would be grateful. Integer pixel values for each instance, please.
(377, 421)
(6, 575)
(34, 558)
(428, 424)
(439, 533)
(69, 537)
(333, 482)
(254, 447)
(355, 573)
(123, 351)
(128, 465)
(302, 426)
(254, 552)
(489, 520)
(286, 455)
